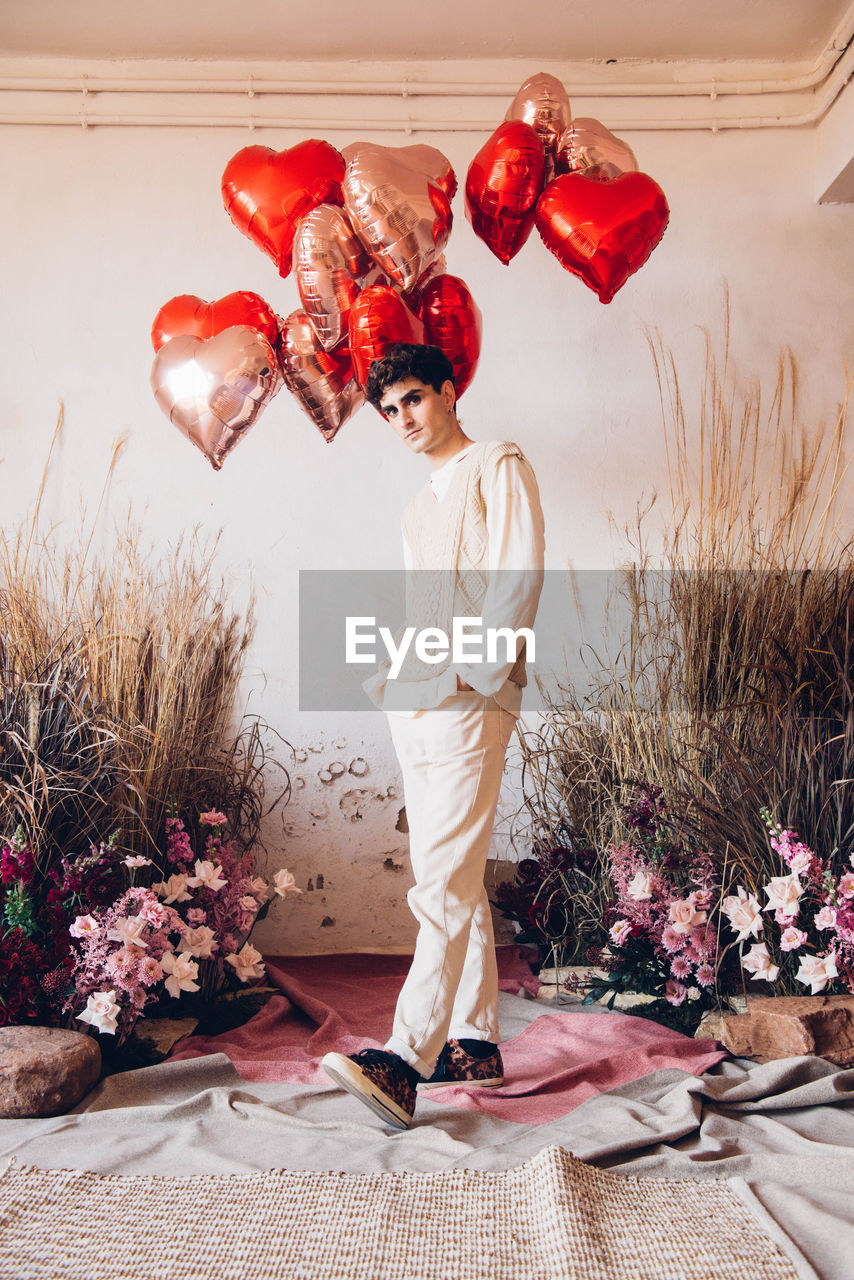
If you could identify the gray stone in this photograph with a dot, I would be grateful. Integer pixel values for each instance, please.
(45, 1071)
(164, 1033)
(788, 1026)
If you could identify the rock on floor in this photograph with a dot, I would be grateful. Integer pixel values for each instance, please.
(788, 1026)
(45, 1071)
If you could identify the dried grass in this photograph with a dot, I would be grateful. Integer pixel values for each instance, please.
(145, 654)
(732, 688)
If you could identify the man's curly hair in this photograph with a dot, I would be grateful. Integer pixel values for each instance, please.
(404, 360)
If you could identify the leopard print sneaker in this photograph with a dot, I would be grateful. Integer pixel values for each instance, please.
(382, 1080)
(457, 1065)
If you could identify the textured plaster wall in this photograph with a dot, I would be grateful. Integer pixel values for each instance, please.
(99, 228)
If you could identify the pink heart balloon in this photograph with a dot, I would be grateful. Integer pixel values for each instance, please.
(542, 103)
(214, 391)
(322, 381)
(587, 145)
(329, 262)
(401, 216)
(427, 160)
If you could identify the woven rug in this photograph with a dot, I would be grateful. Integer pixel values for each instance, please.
(553, 1218)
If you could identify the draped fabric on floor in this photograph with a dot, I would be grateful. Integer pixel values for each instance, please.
(617, 1092)
(346, 1003)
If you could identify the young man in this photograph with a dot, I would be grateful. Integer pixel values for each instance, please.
(477, 527)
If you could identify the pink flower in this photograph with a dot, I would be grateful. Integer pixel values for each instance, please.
(181, 970)
(684, 915)
(247, 963)
(284, 882)
(845, 888)
(705, 974)
(816, 971)
(674, 992)
(213, 818)
(137, 862)
(122, 964)
(620, 932)
(150, 971)
(85, 927)
(784, 919)
(743, 912)
(784, 894)
(259, 889)
(152, 911)
(672, 940)
(792, 938)
(826, 918)
(703, 942)
(758, 962)
(195, 915)
(701, 899)
(101, 1011)
(208, 876)
(129, 932)
(800, 859)
(680, 966)
(200, 942)
(248, 903)
(640, 886)
(174, 889)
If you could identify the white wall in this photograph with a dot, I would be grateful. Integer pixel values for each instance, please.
(100, 227)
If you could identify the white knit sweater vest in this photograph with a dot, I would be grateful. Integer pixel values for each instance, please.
(450, 550)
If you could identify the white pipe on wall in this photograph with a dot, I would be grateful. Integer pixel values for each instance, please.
(813, 90)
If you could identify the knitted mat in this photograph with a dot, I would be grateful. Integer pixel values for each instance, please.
(552, 1218)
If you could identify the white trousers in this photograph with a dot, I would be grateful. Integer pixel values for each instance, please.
(452, 759)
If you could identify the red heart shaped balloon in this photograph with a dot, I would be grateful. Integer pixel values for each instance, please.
(378, 318)
(188, 314)
(503, 184)
(602, 231)
(453, 323)
(267, 192)
(321, 380)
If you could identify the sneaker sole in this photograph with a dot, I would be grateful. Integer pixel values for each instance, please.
(492, 1083)
(346, 1074)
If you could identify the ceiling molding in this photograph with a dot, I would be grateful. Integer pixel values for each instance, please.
(419, 97)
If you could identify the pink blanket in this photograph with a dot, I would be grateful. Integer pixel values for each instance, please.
(346, 1002)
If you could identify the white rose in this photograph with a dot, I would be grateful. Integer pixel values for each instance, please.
(101, 1011)
(784, 894)
(640, 886)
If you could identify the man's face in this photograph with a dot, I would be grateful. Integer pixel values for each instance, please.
(423, 418)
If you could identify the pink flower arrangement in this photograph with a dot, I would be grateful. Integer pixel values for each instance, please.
(809, 906)
(662, 942)
(186, 933)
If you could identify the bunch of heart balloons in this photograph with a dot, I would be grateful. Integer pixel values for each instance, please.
(575, 180)
(364, 232)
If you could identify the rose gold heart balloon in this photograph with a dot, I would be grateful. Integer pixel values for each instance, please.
(401, 216)
(542, 102)
(587, 145)
(214, 391)
(322, 381)
(424, 159)
(329, 262)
